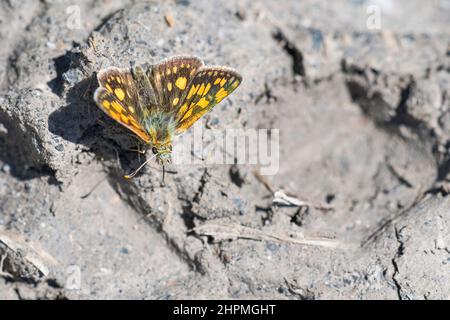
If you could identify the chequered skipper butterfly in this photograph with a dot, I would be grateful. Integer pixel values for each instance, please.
(157, 102)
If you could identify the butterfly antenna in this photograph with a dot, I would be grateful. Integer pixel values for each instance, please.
(131, 175)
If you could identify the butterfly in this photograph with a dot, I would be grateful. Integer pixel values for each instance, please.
(158, 102)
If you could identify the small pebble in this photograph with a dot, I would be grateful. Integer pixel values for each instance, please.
(6, 168)
(214, 122)
(272, 247)
(240, 205)
(3, 129)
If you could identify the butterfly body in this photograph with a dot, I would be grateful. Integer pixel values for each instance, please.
(161, 130)
(157, 102)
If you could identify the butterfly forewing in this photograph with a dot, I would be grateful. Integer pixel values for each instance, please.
(209, 87)
(120, 83)
(117, 97)
(170, 80)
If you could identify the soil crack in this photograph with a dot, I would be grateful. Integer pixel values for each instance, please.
(398, 254)
(291, 49)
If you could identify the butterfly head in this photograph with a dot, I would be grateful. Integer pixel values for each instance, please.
(163, 153)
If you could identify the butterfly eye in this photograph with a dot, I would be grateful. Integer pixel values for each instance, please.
(154, 150)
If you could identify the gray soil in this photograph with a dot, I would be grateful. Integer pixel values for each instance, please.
(364, 119)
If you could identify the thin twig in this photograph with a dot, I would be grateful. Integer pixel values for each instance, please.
(220, 232)
(280, 198)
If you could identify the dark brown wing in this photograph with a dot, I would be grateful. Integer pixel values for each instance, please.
(171, 78)
(117, 97)
(210, 86)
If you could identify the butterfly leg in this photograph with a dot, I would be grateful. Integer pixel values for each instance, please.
(141, 148)
(138, 150)
(164, 174)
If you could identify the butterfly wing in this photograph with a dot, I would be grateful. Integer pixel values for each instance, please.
(210, 86)
(181, 86)
(170, 79)
(117, 97)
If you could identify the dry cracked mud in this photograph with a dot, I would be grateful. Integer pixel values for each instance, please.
(359, 207)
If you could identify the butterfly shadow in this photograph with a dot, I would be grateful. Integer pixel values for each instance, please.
(81, 122)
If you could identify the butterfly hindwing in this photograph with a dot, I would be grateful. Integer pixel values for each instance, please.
(117, 97)
(210, 86)
(170, 80)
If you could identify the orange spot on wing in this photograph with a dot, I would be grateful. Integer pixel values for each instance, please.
(208, 86)
(120, 94)
(124, 119)
(183, 109)
(235, 85)
(203, 102)
(222, 93)
(200, 91)
(192, 91)
(117, 107)
(114, 115)
(181, 83)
